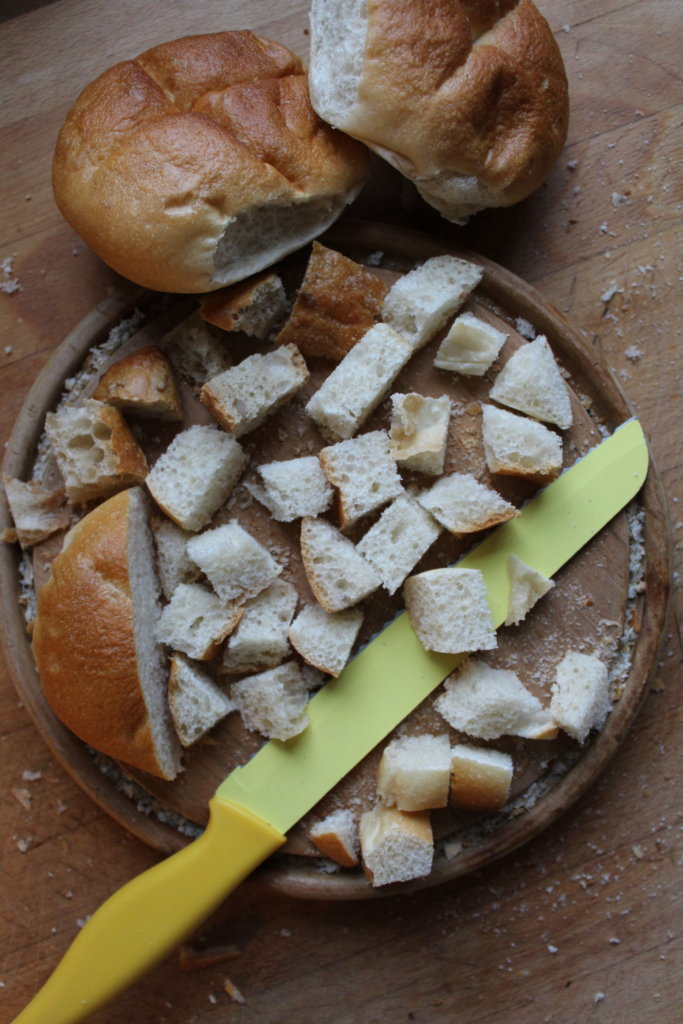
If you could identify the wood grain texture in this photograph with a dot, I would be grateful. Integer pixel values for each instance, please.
(582, 923)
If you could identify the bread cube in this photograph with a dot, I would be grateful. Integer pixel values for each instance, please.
(396, 846)
(419, 303)
(580, 697)
(527, 586)
(449, 610)
(336, 837)
(234, 562)
(273, 702)
(531, 382)
(325, 639)
(463, 505)
(398, 540)
(470, 346)
(293, 488)
(414, 772)
(364, 474)
(142, 383)
(338, 574)
(195, 702)
(419, 432)
(253, 306)
(517, 446)
(480, 778)
(260, 640)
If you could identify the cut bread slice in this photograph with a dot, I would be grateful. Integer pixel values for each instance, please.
(273, 703)
(580, 695)
(419, 431)
(260, 640)
(527, 586)
(196, 351)
(336, 837)
(293, 488)
(196, 474)
(419, 303)
(449, 610)
(487, 703)
(364, 474)
(396, 846)
(36, 513)
(470, 346)
(338, 574)
(234, 562)
(324, 639)
(254, 306)
(398, 540)
(517, 446)
(358, 383)
(337, 302)
(95, 450)
(244, 396)
(480, 778)
(142, 383)
(196, 703)
(196, 621)
(463, 505)
(414, 772)
(174, 565)
(531, 382)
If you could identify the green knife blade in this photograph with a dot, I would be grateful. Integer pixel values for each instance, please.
(384, 682)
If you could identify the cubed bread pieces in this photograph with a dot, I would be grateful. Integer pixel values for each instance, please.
(480, 778)
(527, 586)
(414, 772)
(260, 640)
(293, 488)
(449, 610)
(234, 562)
(487, 703)
(463, 505)
(196, 351)
(196, 474)
(419, 303)
(196, 703)
(95, 450)
(142, 383)
(196, 621)
(36, 512)
(174, 565)
(364, 474)
(273, 703)
(517, 446)
(242, 397)
(325, 639)
(470, 346)
(358, 383)
(580, 694)
(531, 382)
(398, 540)
(337, 302)
(254, 306)
(338, 574)
(336, 837)
(419, 431)
(396, 846)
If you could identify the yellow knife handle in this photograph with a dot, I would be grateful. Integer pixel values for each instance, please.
(148, 917)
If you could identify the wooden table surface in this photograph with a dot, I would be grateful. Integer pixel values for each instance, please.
(584, 923)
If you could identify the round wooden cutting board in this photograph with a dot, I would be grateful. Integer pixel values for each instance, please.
(611, 598)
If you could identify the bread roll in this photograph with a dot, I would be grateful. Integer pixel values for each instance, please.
(101, 670)
(201, 161)
(468, 99)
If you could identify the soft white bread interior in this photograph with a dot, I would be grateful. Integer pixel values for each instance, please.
(260, 640)
(196, 621)
(527, 586)
(398, 540)
(195, 475)
(196, 351)
(419, 432)
(174, 565)
(517, 446)
(364, 474)
(196, 703)
(325, 640)
(37, 513)
(470, 346)
(414, 772)
(468, 100)
(396, 846)
(242, 397)
(338, 574)
(292, 488)
(236, 565)
(480, 778)
(580, 694)
(420, 302)
(336, 837)
(487, 703)
(101, 668)
(151, 162)
(463, 505)
(142, 383)
(449, 610)
(254, 306)
(95, 450)
(531, 382)
(273, 702)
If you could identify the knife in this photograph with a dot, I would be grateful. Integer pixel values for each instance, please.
(255, 806)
